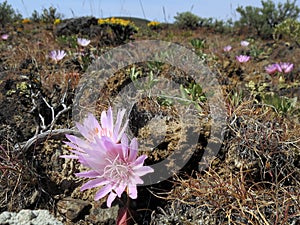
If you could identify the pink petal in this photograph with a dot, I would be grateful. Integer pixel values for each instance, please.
(133, 150)
(103, 192)
(118, 123)
(132, 191)
(120, 189)
(112, 196)
(107, 119)
(93, 183)
(124, 142)
(141, 171)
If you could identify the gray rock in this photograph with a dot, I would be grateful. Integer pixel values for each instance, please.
(82, 25)
(26, 217)
(73, 208)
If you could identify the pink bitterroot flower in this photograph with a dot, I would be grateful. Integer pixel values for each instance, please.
(227, 48)
(273, 68)
(57, 55)
(242, 58)
(285, 67)
(245, 43)
(113, 165)
(83, 42)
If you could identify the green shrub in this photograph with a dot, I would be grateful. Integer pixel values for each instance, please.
(8, 14)
(288, 29)
(263, 20)
(47, 16)
(187, 20)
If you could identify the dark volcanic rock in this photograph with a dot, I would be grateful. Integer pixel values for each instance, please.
(82, 25)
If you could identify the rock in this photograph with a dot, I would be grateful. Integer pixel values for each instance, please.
(103, 215)
(72, 208)
(26, 216)
(82, 25)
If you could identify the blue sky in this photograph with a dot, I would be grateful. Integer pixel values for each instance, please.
(151, 9)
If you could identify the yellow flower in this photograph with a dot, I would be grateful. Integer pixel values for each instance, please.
(26, 20)
(57, 21)
(153, 24)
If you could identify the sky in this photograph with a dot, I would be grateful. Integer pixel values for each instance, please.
(159, 10)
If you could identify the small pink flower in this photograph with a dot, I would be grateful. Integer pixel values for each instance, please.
(273, 68)
(242, 58)
(245, 43)
(4, 36)
(83, 42)
(286, 67)
(114, 164)
(57, 55)
(227, 48)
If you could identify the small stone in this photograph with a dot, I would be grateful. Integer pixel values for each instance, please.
(103, 215)
(73, 208)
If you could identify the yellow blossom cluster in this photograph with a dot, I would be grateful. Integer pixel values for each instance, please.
(26, 20)
(116, 21)
(153, 24)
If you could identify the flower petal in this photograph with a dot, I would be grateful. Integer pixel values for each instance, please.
(112, 196)
(103, 192)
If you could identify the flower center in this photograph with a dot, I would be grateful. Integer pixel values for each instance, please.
(117, 170)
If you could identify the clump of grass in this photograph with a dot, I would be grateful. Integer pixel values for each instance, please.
(16, 181)
(254, 180)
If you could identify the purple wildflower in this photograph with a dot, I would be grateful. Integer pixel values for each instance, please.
(113, 164)
(245, 43)
(286, 67)
(83, 42)
(227, 48)
(242, 58)
(273, 68)
(57, 55)
(4, 36)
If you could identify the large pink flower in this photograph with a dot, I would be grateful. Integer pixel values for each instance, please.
(112, 161)
(115, 167)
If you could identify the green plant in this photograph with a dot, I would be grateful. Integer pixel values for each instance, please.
(8, 14)
(198, 43)
(289, 29)
(264, 19)
(48, 15)
(281, 104)
(255, 51)
(145, 86)
(187, 20)
(192, 94)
